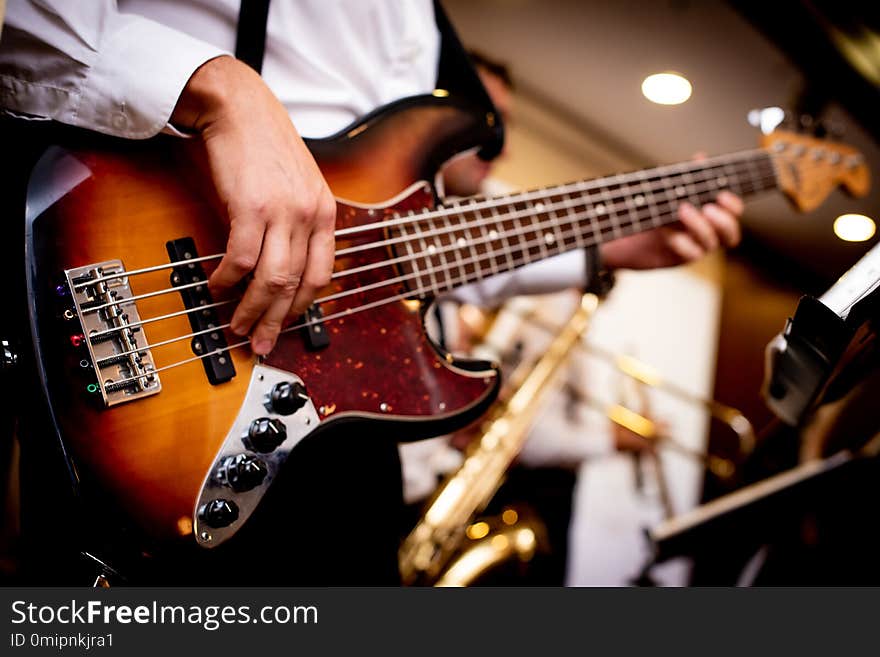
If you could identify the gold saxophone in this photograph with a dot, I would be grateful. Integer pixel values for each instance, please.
(432, 553)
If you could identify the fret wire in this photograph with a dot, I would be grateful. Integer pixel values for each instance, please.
(469, 240)
(523, 244)
(459, 261)
(480, 223)
(743, 182)
(630, 204)
(688, 183)
(672, 199)
(436, 250)
(493, 264)
(413, 258)
(435, 286)
(753, 173)
(593, 223)
(733, 180)
(606, 198)
(542, 246)
(558, 239)
(570, 218)
(649, 201)
(503, 233)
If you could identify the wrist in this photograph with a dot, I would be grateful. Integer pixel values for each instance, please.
(600, 277)
(607, 253)
(205, 95)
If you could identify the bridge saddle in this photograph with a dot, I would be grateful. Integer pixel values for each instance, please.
(111, 330)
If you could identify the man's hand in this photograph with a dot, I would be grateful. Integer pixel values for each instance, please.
(281, 213)
(697, 232)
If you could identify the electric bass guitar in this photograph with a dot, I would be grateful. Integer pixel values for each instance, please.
(173, 417)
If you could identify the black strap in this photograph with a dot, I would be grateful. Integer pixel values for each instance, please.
(250, 39)
(456, 73)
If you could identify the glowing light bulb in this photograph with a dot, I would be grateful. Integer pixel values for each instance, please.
(666, 88)
(854, 227)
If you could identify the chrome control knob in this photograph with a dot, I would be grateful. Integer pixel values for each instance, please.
(287, 397)
(242, 472)
(218, 513)
(264, 435)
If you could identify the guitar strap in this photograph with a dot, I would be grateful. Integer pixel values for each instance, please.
(250, 37)
(455, 71)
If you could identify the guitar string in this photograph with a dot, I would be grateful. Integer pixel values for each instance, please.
(344, 313)
(459, 280)
(480, 222)
(489, 202)
(554, 222)
(150, 320)
(477, 204)
(599, 227)
(483, 203)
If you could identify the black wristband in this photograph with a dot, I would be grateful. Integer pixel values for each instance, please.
(600, 279)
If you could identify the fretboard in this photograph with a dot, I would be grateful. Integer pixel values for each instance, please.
(474, 238)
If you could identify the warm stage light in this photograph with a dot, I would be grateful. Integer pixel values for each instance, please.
(854, 227)
(666, 88)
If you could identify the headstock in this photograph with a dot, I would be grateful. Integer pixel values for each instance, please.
(809, 168)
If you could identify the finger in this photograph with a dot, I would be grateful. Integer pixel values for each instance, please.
(272, 278)
(698, 226)
(242, 253)
(318, 269)
(726, 226)
(731, 202)
(685, 246)
(267, 328)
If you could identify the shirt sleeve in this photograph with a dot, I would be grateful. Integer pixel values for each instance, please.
(557, 440)
(560, 272)
(88, 65)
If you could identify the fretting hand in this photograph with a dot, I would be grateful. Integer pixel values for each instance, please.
(698, 232)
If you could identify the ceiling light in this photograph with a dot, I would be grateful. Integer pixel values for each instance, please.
(666, 88)
(854, 227)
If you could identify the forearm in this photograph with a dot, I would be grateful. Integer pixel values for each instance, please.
(88, 65)
(558, 273)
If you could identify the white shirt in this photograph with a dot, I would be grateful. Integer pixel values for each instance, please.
(119, 68)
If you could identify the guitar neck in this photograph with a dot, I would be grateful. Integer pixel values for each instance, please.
(474, 238)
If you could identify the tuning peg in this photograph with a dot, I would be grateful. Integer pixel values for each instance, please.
(768, 118)
(835, 129)
(807, 123)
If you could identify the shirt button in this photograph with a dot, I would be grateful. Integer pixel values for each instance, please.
(118, 120)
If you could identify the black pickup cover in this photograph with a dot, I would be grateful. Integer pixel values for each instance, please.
(315, 333)
(218, 367)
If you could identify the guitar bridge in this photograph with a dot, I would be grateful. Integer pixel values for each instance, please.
(112, 332)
